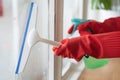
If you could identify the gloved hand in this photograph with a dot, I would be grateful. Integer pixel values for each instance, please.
(90, 44)
(76, 23)
(104, 45)
(70, 48)
(95, 27)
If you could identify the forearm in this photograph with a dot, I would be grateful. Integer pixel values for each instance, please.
(103, 45)
(109, 25)
(106, 45)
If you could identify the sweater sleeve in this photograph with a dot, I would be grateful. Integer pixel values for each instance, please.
(106, 45)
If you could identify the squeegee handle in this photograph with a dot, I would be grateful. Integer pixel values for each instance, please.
(54, 43)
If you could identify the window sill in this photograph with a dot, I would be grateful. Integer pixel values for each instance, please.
(73, 71)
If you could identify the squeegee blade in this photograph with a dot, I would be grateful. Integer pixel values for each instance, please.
(25, 48)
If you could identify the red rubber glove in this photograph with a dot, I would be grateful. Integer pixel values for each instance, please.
(70, 48)
(91, 44)
(109, 25)
(104, 45)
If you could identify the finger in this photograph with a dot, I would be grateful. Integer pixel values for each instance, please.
(57, 51)
(54, 48)
(70, 29)
(83, 27)
(61, 50)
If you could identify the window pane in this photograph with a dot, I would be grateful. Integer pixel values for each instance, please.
(71, 10)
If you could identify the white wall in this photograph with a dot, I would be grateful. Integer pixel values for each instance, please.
(6, 42)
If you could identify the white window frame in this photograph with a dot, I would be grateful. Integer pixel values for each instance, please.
(55, 19)
(56, 33)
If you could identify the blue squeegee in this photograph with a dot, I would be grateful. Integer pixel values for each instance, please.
(30, 38)
(24, 38)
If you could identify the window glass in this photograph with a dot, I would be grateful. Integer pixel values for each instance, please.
(71, 10)
(37, 61)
